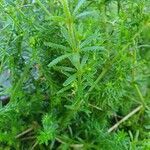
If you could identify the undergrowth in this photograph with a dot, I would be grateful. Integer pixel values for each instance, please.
(72, 69)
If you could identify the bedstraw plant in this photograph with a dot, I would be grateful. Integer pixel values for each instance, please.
(75, 74)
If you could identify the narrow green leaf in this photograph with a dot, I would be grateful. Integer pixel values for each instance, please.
(64, 89)
(87, 13)
(80, 3)
(75, 59)
(55, 46)
(93, 48)
(89, 40)
(66, 8)
(58, 59)
(70, 80)
(55, 18)
(43, 7)
(66, 35)
(84, 60)
(68, 69)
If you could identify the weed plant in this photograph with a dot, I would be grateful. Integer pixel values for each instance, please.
(73, 69)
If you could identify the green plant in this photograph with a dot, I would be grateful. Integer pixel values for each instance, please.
(77, 68)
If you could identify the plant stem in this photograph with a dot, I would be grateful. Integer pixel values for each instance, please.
(125, 118)
(96, 107)
(134, 78)
(70, 25)
(104, 71)
(140, 94)
(24, 132)
(97, 80)
(76, 146)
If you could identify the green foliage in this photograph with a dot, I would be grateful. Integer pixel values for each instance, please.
(49, 129)
(73, 69)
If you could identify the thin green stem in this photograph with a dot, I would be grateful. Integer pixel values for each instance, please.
(97, 80)
(70, 25)
(139, 94)
(104, 71)
(66, 8)
(134, 57)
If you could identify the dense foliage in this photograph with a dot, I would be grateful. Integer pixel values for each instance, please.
(72, 69)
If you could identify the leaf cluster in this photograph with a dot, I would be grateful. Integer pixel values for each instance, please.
(74, 68)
